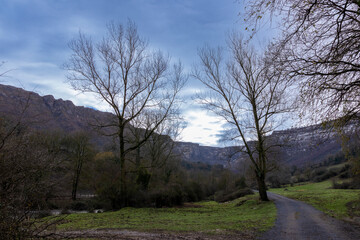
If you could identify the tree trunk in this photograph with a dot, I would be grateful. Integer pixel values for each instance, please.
(262, 187)
(75, 185)
(123, 194)
(138, 158)
(76, 177)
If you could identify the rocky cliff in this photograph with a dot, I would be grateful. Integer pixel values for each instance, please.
(299, 146)
(48, 113)
(213, 155)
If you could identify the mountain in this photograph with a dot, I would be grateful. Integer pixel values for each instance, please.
(299, 146)
(307, 146)
(48, 113)
(194, 152)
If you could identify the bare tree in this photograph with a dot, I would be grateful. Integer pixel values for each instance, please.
(27, 162)
(159, 149)
(78, 149)
(130, 78)
(320, 46)
(249, 95)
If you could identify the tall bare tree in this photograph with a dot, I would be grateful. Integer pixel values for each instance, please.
(249, 95)
(78, 149)
(321, 48)
(130, 78)
(159, 149)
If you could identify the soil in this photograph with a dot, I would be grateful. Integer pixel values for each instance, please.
(132, 235)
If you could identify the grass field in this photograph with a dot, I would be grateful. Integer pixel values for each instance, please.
(208, 217)
(321, 196)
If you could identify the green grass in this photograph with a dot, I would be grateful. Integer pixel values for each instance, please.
(321, 196)
(208, 217)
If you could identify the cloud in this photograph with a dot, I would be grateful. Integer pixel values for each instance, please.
(34, 37)
(190, 91)
(48, 79)
(203, 127)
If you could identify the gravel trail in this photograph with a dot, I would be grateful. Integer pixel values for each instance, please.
(298, 220)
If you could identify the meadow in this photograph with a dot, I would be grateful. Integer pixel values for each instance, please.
(243, 215)
(339, 203)
(246, 214)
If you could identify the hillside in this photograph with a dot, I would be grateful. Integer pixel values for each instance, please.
(300, 146)
(308, 145)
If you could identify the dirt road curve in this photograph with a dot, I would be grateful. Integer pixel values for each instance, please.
(297, 220)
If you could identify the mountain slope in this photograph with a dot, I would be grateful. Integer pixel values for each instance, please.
(300, 146)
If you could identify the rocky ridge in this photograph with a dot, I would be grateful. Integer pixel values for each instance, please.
(300, 146)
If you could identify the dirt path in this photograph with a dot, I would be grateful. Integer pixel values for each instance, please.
(297, 220)
(107, 234)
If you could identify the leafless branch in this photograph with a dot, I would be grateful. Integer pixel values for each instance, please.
(131, 79)
(247, 92)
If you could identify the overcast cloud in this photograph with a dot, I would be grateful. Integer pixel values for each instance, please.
(34, 35)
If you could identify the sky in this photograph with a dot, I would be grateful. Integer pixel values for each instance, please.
(34, 37)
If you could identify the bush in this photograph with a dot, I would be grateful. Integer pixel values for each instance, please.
(241, 183)
(302, 178)
(326, 175)
(344, 185)
(110, 197)
(274, 182)
(65, 211)
(95, 203)
(78, 206)
(222, 196)
(168, 196)
(318, 172)
(193, 192)
(355, 183)
(138, 198)
(345, 175)
(42, 214)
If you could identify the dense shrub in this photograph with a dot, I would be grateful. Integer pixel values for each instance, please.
(110, 197)
(274, 182)
(241, 183)
(42, 214)
(326, 175)
(79, 206)
(168, 196)
(138, 198)
(345, 175)
(193, 192)
(354, 183)
(222, 196)
(318, 172)
(343, 185)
